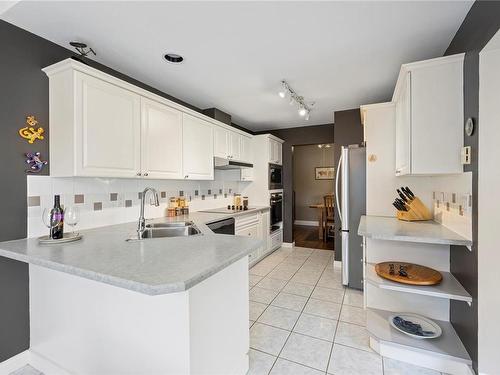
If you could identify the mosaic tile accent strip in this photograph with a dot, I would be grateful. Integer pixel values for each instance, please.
(79, 198)
(34, 201)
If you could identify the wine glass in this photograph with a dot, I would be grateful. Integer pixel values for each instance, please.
(51, 221)
(72, 217)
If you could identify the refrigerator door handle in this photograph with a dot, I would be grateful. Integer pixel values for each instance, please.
(337, 188)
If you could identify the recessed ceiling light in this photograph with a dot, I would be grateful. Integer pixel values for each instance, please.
(173, 58)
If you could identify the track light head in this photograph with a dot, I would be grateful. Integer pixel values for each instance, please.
(302, 111)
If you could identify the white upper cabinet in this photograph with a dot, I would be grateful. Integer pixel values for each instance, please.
(235, 146)
(107, 128)
(161, 151)
(403, 141)
(198, 151)
(429, 117)
(246, 149)
(229, 144)
(275, 151)
(101, 126)
(221, 142)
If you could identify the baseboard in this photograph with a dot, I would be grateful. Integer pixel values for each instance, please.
(337, 264)
(288, 244)
(35, 360)
(309, 223)
(14, 363)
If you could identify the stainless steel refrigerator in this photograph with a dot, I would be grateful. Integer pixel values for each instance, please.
(350, 193)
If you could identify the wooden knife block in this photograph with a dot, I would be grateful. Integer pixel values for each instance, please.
(416, 212)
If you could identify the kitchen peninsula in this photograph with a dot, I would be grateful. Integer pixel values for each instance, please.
(157, 306)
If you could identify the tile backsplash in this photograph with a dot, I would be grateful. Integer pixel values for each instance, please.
(107, 201)
(452, 202)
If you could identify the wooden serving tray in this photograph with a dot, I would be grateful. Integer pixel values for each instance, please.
(416, 274)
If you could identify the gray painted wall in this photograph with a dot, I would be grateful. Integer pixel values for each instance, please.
(481, 23)
(306, 135)
(307, 189)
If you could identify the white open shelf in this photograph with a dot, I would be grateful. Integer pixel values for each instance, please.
(449, 287)
(392, 229)
(448, 346)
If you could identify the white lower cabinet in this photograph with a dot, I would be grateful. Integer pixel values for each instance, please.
(197, 148)
(255, 225)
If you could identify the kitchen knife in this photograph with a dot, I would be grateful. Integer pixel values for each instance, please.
(403, 197)
(409, 192)
(402, 203)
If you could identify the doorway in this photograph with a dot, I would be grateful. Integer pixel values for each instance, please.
(313, 180)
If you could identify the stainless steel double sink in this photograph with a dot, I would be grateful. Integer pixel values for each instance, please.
(175, 229)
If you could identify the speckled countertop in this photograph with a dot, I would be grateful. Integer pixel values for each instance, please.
(153, 266)
(392, 229)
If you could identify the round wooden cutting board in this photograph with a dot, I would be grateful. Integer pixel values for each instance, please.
(416, 274)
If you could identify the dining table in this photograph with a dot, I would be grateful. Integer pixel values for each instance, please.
(321, 212)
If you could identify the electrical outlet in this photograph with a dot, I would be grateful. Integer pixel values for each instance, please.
(465, 155)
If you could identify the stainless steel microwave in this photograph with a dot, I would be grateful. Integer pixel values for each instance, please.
(275, 177)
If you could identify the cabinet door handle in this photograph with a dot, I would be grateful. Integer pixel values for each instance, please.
(186, 176)
(146, 174)
(138, 173)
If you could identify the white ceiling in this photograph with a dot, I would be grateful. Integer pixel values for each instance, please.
(338, 54)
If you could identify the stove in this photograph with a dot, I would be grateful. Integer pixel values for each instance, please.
(230, 210)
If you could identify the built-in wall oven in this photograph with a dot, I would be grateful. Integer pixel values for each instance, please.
(276, 203)
(275, 177)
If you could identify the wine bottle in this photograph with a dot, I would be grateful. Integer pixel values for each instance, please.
(57, 215)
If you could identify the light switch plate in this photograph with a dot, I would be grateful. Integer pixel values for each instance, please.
(466, 150)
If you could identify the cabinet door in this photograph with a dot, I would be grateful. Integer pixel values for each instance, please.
(108, 129)
(235, 146)
(221, 142)
(197, 148)
(246, 174)
(279, 153)
(273, 151)
(246, 149)
(161, 141)
(403, 128)
(265, 224)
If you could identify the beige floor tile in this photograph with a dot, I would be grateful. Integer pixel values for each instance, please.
(273, 284)
(260, 363)
(267, 339)
(256, 308)
(279, 317)
(328, 294)
(355, 315)
(324, 309)
(290, 301)
(253, 279)
(316, 326)
(299, 289)
(352, 335)
(284, 367)
(349, 361)
(307, 351)
(262, 295)
(353, 297)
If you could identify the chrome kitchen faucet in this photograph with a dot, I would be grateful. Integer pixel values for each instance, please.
(155, 201)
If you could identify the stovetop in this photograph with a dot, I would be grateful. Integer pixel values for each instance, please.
(230, 210)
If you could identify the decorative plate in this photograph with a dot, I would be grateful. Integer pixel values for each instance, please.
(416, 326)
(67, 237)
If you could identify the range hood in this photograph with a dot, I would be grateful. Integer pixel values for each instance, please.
(221, 163)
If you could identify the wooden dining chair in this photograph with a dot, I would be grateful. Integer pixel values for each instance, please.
(328, 215)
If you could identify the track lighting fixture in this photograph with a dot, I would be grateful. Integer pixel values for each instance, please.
(304, 108)
(82, 48)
